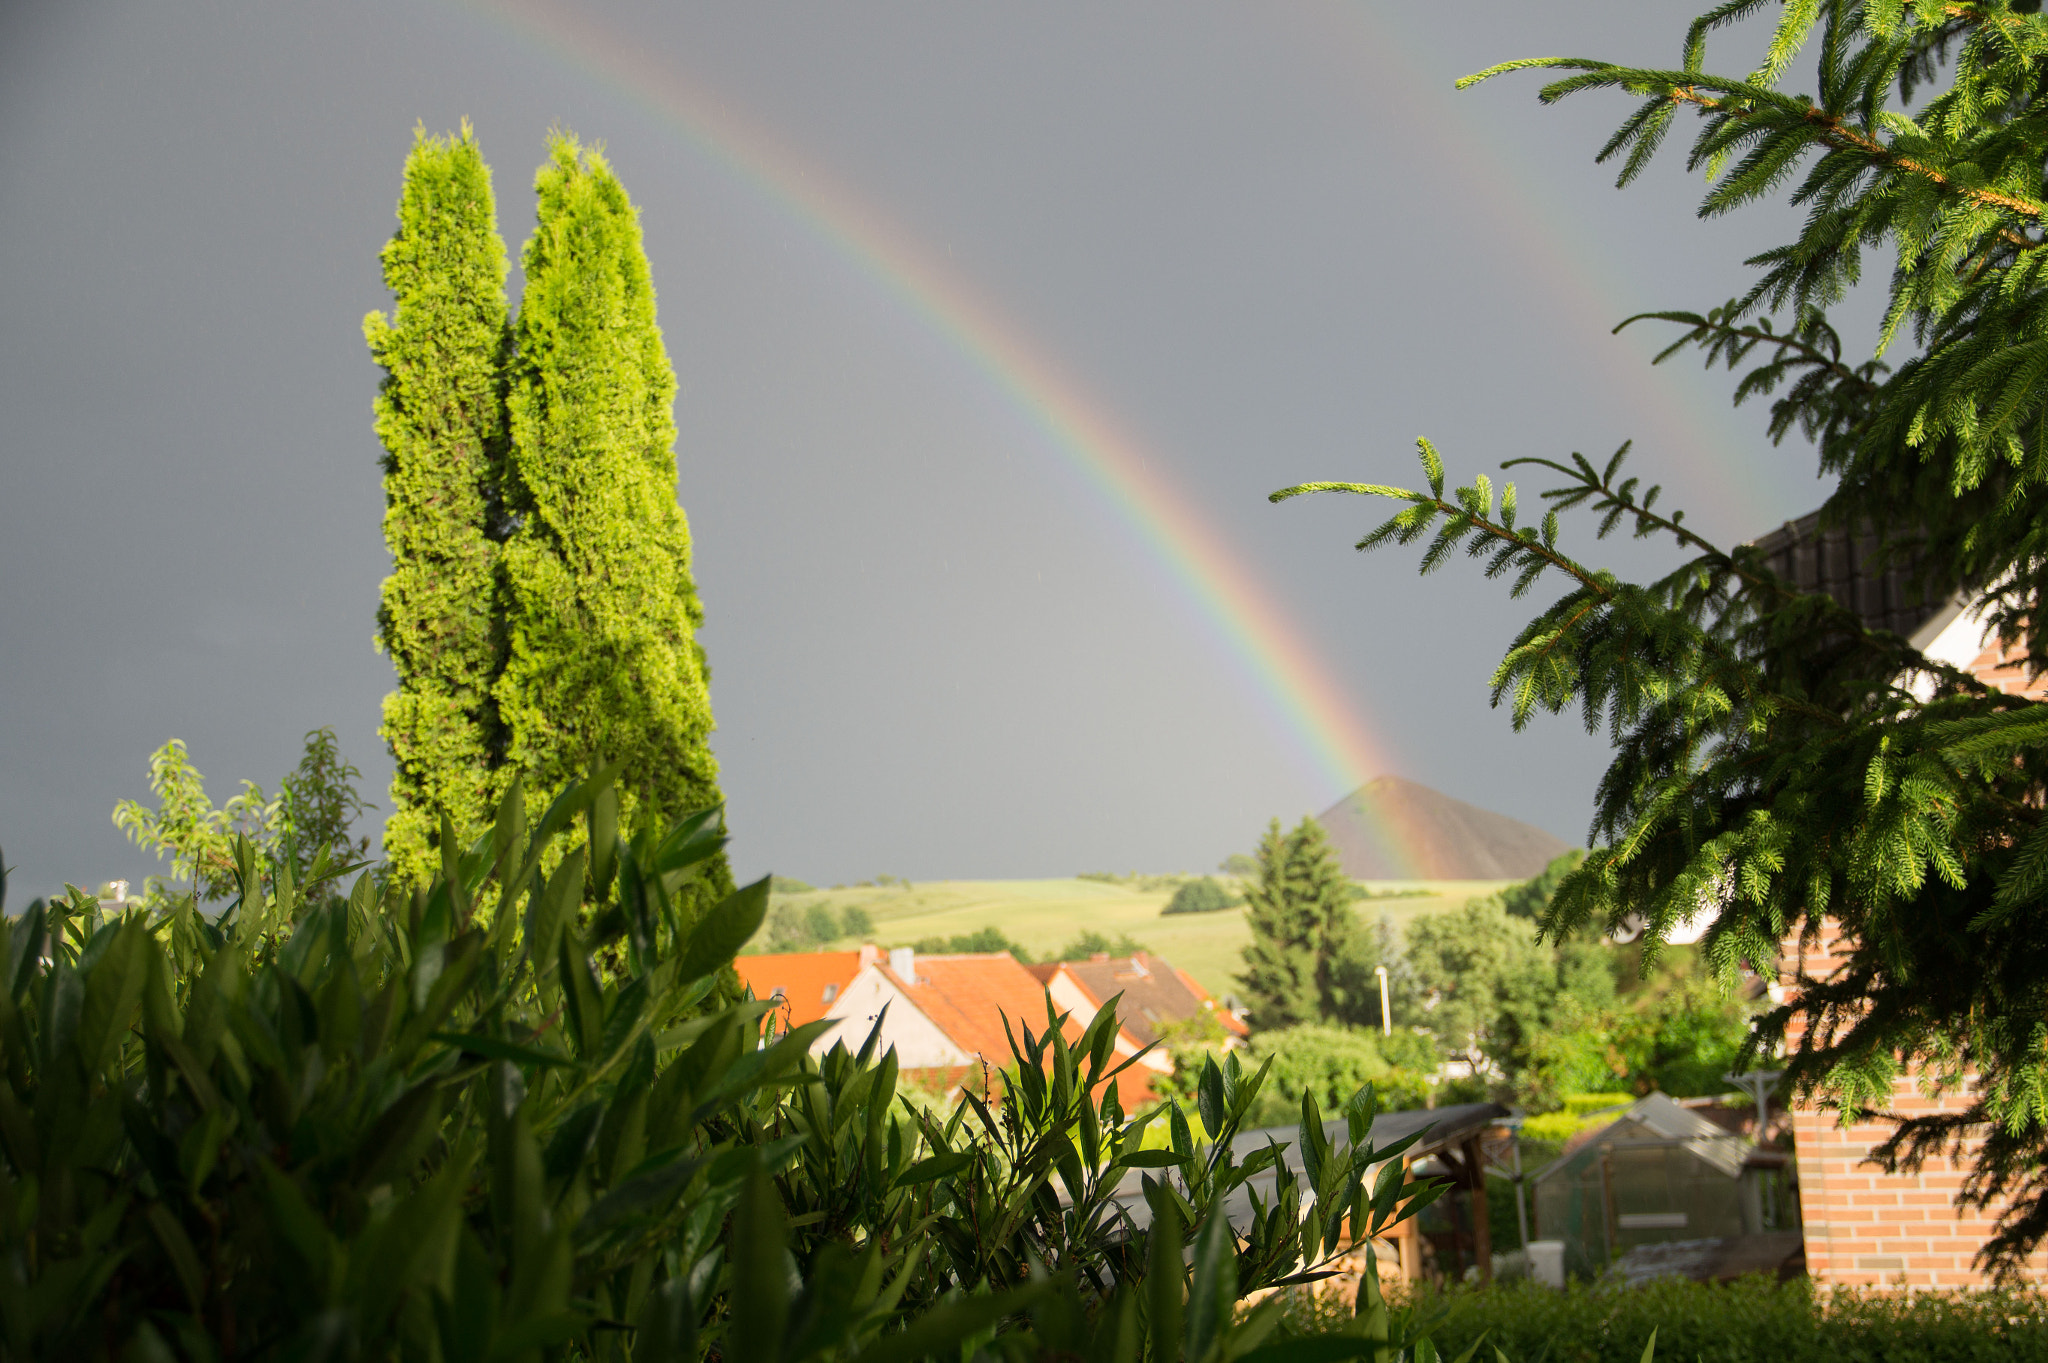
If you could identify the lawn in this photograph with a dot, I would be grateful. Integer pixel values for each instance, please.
(1045, 915)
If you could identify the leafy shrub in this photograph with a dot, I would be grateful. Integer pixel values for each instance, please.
(1092, 943)
(516, 1112)
(981, 941)
(1201, 896)
(1751, 1321)
(1134, 880)
(1327, 1061)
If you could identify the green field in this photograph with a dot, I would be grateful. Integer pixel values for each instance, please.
(1044, 915)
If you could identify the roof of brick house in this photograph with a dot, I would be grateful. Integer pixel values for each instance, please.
(1154, 992)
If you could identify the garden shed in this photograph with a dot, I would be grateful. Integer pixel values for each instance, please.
(1660, 1174)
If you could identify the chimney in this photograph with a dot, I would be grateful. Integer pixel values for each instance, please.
(870, 954)
(903, 960)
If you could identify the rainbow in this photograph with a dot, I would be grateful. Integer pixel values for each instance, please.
(1247, 617)
(1697, 436)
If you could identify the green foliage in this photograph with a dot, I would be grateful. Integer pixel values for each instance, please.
(1530, 898)
(811, 927)
(1778, 762)
(601, 612)
(1134, 879)
(1201, 896)
(1331, 1062)
(980, 941)
(310, 825)
(1494, 990)
(1302, 927)
(507, 1114)
(1751, 1321)
(317, 809)
(1239, 865)
(790, 885)
(441, 420)
(198, 838)
(1089, 943)
(1355, 972)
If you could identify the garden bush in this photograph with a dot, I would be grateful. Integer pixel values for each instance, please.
(521, 1113)
(1203, 895)
(1755, 1320)
(1330, 1062)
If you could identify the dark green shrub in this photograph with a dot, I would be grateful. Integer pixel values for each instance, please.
(1330, 1062)
(516, 1113)
(1751, 1321)
(1205, 895)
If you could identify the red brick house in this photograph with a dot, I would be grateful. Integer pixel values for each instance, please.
(1865, 1227)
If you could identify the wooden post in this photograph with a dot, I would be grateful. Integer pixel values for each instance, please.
(1408, 1238)
(1482, 1226)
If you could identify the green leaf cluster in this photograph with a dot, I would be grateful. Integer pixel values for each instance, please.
(1779, 764)
(509, 1114)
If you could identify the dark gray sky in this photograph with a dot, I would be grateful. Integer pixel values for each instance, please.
(1266, 243)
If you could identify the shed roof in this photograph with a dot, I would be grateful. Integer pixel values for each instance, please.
(1656, 1119)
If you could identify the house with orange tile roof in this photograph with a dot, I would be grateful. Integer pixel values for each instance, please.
(945, 1013)
(1155, 996)
(807, 982)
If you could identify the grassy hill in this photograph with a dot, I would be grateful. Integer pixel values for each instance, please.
(1044, 915)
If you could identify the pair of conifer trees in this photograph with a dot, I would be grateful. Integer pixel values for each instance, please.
(540, 611)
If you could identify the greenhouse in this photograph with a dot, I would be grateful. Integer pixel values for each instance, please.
(1663, 1174)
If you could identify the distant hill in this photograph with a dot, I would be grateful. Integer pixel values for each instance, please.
(1391, 829)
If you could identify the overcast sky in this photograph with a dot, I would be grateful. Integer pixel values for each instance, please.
(1256, 244)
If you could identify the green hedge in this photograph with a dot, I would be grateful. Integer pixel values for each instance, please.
(517, 1115)
(1751, 1321)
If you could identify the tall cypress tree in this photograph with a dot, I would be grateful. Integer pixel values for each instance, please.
(1302, 929)
(602, 612)
(441, 418)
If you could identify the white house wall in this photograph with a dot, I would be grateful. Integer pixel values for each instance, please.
(919, 1043)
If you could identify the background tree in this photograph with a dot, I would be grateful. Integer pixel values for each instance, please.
(317, 809)
(441, 419)
(185, 826)
(602, 612)
(310, 824)
(1779, 763)
(1356, 972)
(1204, 894)
(1303, 927)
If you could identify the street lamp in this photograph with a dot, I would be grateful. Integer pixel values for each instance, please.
(1386, 1012)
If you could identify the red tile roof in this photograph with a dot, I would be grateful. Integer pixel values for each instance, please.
(967, 997)
(1154, 993)
(808, 980)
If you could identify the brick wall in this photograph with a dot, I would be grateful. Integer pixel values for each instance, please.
(1865, 1227)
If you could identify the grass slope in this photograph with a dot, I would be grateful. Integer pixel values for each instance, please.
(1044, 915)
